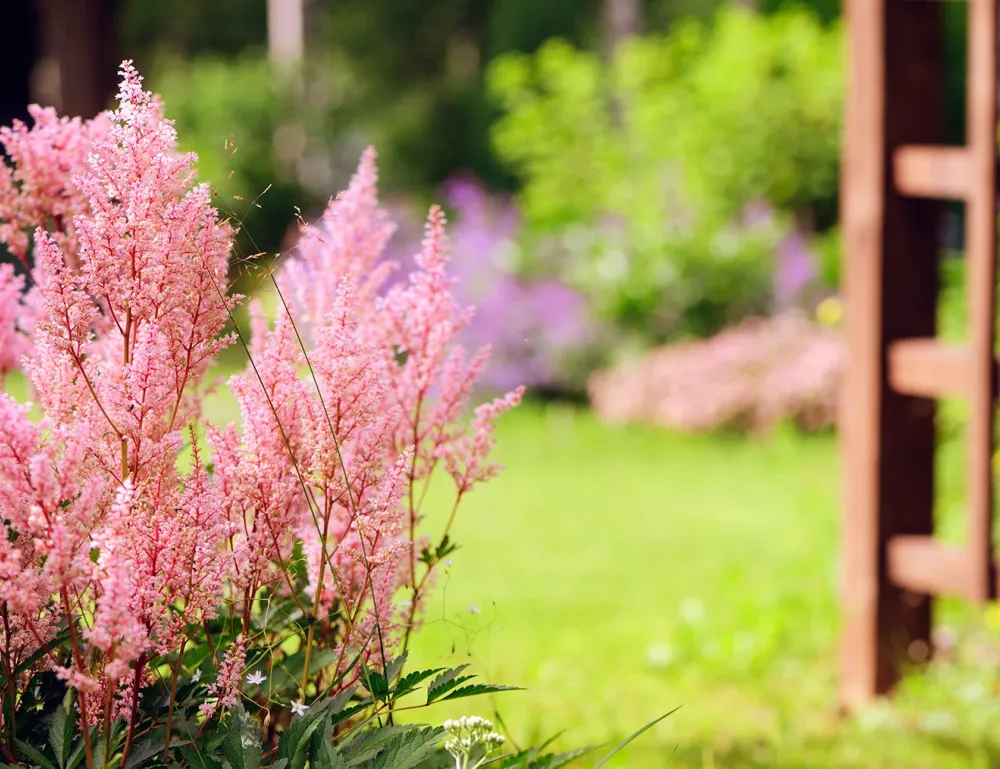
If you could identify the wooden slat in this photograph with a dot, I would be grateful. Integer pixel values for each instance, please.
(894, 99)
(928, 368)
(928, 171)
(981, 255)
(862, 214)
(928, 567)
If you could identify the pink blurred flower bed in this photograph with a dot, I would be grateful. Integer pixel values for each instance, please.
(752, 376)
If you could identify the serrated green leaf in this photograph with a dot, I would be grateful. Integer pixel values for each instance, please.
(143, 751)
(241, 745)
(61, 735)
(35, 755)
(350, 665)
(322, 753)
(347, 712)
(405, 751)
(295, 740)
(339, 701)
(367, 744)
(445, 682)
(394, 667)
(513, 760)
(76, 756)
(281, 763)
(632, 736)
(473, 690)
(376, 683)
(409, 682)
(111, 743)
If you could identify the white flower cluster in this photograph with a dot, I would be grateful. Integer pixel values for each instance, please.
(464, 734)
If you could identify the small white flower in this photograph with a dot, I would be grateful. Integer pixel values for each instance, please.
(299, 708)
(196, 676)
(474, 609)
(256, 679)
(447, 562)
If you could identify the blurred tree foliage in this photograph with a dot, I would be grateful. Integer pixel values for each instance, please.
(416, 66)
(407, 75)
(250, 134)
(659, 158)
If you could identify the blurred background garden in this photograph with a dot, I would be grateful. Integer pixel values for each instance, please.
(643, 197)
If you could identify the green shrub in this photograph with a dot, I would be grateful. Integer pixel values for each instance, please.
(238, 117)
(647, 167)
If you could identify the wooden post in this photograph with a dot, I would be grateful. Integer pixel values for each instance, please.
(81, 38)
(895, 97)
(620, 19)
(981, 281)
(286, 31)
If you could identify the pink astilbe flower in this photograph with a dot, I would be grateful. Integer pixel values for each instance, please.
(13, 317)
(334, 447)
(38, 188)
(349, 239)
(226, 687)
(129, 316)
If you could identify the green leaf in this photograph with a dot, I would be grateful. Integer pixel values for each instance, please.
(76, 756)
(345, 713)
(197, 759)
(445, 682)
(473, 690)
(35, 755)
(409, 682)
(322, 753)
(143, 751)
(295, 740)
(241, 745)
(112, 743)
(406, 750)
(376, 683)
(394, 667)
(281, 763)
(635, 734)
(277, 615)
(61, 735)
(367, 744)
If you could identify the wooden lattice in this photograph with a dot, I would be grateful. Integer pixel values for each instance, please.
(896, 173)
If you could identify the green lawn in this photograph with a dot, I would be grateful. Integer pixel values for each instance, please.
(620, 573)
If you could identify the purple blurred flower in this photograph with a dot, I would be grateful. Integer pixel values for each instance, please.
(533, 325)
(796, 269)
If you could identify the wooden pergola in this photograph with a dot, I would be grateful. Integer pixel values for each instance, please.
(897, 173)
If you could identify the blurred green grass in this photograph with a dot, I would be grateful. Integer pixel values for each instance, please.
(617, 573)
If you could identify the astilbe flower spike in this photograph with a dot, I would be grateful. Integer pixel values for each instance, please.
(109, 536)
(339, 454)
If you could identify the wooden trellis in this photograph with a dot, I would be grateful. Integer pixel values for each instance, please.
(897, 172)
